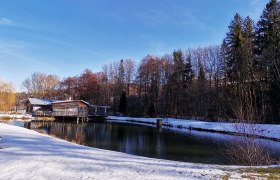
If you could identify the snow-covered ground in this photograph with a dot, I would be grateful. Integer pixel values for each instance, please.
(27, 154)
(263, 130)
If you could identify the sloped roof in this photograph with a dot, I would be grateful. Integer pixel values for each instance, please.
(67, 101)
(42, 102)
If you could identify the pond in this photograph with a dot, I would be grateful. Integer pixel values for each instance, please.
(164, 143)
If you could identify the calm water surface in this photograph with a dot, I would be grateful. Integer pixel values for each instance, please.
(164, 143)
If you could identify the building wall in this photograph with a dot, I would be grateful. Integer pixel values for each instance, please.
(70, 109)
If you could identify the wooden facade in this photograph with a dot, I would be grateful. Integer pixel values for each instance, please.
(70, 109)
(38, 107)
(76, 108)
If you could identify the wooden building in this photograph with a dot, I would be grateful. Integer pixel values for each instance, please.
(39, 107)
(67, 109)
(74, 108)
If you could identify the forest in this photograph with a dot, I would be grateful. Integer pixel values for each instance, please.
(238, 80)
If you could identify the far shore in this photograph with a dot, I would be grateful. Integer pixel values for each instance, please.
(263, 131)
(24, 117)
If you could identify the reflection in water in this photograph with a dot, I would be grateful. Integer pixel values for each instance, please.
(189, 146)
(136, 139)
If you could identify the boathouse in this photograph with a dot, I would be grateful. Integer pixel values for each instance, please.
(61, 109)
(74, 108)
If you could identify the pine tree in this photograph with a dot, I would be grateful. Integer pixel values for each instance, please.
(268, 41)
(233, 42)
(268, 53)
(248, 50)
(178, 81)
(239, 57)
(178, 66)
(152, 110)
(201, 78)
(223, 71)
(188, 73)
(121, 75)
(123, 103)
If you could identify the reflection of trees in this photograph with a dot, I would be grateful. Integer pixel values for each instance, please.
(139, 140)
(125, 138)
(68, 131)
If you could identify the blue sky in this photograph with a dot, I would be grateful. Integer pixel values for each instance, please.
(64, 37)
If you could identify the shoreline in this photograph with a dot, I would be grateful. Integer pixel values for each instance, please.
(19, 143)
(24, 117)
(262, 131)
(42, 156)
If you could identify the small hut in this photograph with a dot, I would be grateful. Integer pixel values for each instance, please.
(39, 107)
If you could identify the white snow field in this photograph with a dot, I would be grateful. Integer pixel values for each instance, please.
(27, 154)
(264, 130)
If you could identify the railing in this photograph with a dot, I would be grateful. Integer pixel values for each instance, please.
(69, 114)
(99, 111)
(60, 112)
(43, 113)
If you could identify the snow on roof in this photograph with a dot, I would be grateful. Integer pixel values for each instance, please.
(43, 102)
(67, 101)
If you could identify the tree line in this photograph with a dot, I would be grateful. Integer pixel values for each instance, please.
(237, 80)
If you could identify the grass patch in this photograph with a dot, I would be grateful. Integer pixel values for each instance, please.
(5, 118)
(267, 173)
(226, 176)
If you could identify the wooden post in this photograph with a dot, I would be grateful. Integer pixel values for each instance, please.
(159, 123)
(77, 119)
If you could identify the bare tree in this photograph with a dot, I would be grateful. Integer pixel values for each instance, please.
(7, 96)
(41, 85)
(129, 67)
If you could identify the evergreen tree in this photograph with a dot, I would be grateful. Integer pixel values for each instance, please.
(152, 110)
(223, 70)
(239, 57)
(268, 53)
(123, 103)
(201, 78)
(233, 42)
(201, 91)
(268, 26)
(178, 81)
(121, 75)
(178, 67)
(247, 50)
(188, 73)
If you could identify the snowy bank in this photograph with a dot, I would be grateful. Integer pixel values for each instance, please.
(271, 131)
(30, 155)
